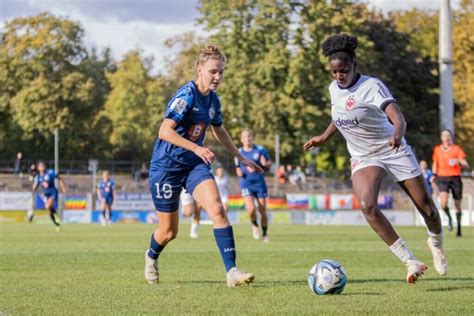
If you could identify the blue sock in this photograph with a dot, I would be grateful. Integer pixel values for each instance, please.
(155, 248)
(226, 244)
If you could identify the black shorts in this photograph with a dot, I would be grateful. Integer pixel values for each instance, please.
(453, 183)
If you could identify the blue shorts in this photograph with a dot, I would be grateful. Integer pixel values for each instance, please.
(166, 186)
(258, 191)
(51, 193)
(108, 200)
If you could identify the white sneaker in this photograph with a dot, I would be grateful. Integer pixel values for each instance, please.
(439, 259)
(255, 232)
(265, 239)
(152, 275)
(235, 277)
(194, 230)
(415, 270)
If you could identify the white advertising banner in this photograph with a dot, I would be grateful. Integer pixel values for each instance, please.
(133, 202)
(18, 201)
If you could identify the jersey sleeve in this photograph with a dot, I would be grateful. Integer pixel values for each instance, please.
(179, 105)
(217, 118)
(264, 152)
(379, 95)
(112, 185)
(461, 153)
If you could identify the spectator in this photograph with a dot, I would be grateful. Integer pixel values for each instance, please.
(281, 174)
(298, 177)
(18, 163)
(142, 174)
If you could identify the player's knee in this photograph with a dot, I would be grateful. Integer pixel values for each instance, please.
(369, 208)
(167, 236)
(217, 208)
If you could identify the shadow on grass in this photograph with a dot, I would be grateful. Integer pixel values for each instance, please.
(451, 288)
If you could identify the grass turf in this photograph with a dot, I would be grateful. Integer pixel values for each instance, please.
(88, 269)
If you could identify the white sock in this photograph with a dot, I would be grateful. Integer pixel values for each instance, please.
(400, 249)
(194, 227)
(436, 239)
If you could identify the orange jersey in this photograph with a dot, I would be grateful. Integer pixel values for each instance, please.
(446, 160)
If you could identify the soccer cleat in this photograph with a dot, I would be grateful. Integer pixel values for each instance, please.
(194, 231)
(152, 275)
(415, 270)
(458, 234)
(235, 277)
(58, 229)
(265, 239)
(439, 258)
(255, 232)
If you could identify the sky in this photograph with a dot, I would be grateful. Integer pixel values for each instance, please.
(124, 25)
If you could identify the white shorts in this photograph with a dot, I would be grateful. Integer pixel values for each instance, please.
(224, 198)
(400, 166)
(185, 198)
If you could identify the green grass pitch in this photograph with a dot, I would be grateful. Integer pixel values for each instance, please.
(89, 269)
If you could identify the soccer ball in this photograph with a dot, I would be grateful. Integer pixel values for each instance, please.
(327, 277)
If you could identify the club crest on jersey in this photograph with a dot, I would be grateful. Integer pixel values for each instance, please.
(178, 106)
(350, 103)
(212, 112)
(255, 156)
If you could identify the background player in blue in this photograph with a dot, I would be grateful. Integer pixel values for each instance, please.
(106, 195)
(252, 184)
(45, 179)
(180, 160)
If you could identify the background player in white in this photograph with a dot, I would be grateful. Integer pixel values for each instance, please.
(189, 207)
(369, 119)
(221, 181)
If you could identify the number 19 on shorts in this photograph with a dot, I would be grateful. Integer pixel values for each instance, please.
(163, 190)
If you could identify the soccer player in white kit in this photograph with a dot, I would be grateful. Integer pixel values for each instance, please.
(189, 207)
(221, 181)
(369, 119)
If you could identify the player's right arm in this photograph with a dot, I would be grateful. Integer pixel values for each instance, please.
(168, 133)
(319, 140)
(35, 185)
(99, 193)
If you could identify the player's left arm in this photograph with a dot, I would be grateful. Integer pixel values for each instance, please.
(265, 159)
(223, 137)
(462, 159)
(62, 185)
(395, 116)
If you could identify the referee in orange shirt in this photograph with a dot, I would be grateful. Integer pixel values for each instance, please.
(448, 159)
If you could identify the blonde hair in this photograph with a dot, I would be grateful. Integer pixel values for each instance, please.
(210, 52)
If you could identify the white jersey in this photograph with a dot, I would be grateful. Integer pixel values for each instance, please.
(222, 186)
(358, 113)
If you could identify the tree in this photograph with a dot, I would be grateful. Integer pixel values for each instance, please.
(134, 106)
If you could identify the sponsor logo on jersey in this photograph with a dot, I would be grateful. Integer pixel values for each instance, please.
(212, 112)
(346, 123)
(383, 91)
(350, 103)
(178, 106)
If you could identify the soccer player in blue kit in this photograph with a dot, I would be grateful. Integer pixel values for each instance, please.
(252, 184)
(106, 195)
(180, 160)
(45, 179)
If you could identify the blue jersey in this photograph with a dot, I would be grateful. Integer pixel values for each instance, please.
(428, 175)
(193, 113)
(250, 176)
(46, 181)
(106, 188)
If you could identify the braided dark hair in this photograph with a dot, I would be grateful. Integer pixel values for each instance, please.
(340, 46)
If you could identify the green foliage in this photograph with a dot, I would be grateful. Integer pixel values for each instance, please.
(134, 106)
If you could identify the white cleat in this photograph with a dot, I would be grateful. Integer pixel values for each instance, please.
(255, 232)
(415, 270)
(194, 231)
(235, 277)
(152, 276)
(439, 258)
(265, 239)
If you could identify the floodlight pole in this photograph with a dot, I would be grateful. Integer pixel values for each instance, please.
(446, 107)
(56, 150)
